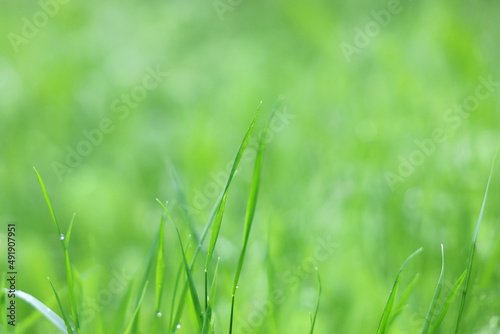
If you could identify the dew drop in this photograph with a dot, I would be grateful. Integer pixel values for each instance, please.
(158, 314)
(178, 326)
(236, 287)
(61, 237)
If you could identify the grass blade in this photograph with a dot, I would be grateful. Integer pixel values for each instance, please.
(401, 304)
(211, 302)
(136, 312)
(67, 263)
(65, 317)
(313, 320)
(43, 309)
(68, 235)
(473, 246)
(435, 298)
(447, 303)
(192, 286)
(384, 321)
(160, 266)
(220, 210)
(251, 205)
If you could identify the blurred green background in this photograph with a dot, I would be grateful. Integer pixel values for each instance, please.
(362, 82)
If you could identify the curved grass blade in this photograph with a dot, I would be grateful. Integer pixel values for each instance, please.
(220, 210)
(136, 312)
(65, 317)
(211, 303)
(67, 263)
(68, 235)
(447, 303)
(435, 298)
(42, 308)
(401, 304)
(172, 325)
(313, 319)
(160, 266)
(384, 321)
(473, 245)
(251, 205)
(192, 286)
(203, 236)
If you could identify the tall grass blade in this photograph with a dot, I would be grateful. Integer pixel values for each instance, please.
(220, 210)
(384, 321)
(70, 228)
(136, 312)
(65, 317)
(42, 308)
(204, 234)
(251, 205)
(448, 302)
(160, 266)
(67, 263)
(401, 304)
(211, 303)
(313, 320)
(473, 246)
(192, 286)
(435, 298)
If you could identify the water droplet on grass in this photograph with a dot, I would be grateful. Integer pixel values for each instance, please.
(158, 314)
(61, 237)
(178, 326)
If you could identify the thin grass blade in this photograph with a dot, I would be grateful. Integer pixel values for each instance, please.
(435, 298)
(68, 235)
(192, 286)
(402, 302)
(384, 321)
(313, 319)
(207, 323)
(448, 302)
(473, 245)
(136, 312)
(251, 206)
(67, 263)
(220, 210)
(160, 266)
(69, 329)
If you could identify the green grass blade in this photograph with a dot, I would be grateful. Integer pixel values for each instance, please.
(136, 312)
(173, 324)
(211, 302)
(160, 266)
(44, 190)
(473, 245)
(65, 317)
(68, 235)
(251, 206)
(313, 320)
(401, 304)
(192, 286)
(220, 210)
(42, 309)
(384, 321)
(67, 263)
(435, 298)
(448, 302)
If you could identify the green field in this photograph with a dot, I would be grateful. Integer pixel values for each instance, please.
(385, 128)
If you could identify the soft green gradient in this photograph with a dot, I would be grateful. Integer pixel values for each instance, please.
(323, 171)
